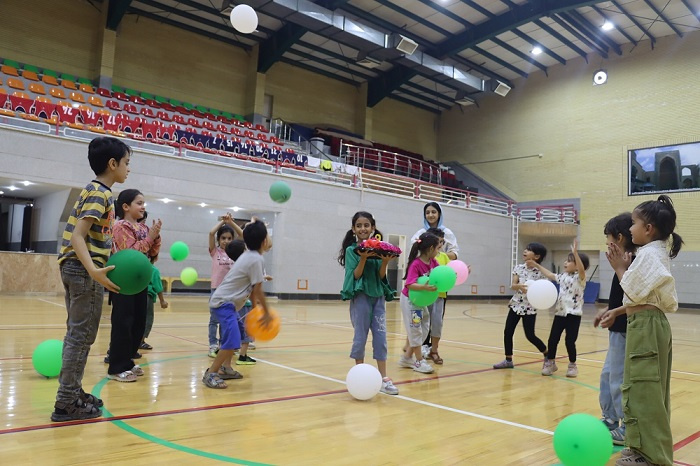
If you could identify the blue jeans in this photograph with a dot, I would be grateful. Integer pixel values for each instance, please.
(213, 326)
(611, 377)
(84, 298)
(367, 314)
(230, 326)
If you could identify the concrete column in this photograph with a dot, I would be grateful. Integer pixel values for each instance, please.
(106, 58)
(363, 114)
(255, 90)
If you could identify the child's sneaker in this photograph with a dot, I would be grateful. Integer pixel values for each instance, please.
(251, 346)
(213, 350)
(75, 411)
(245, 361)
(572, 371)
(406, 362)
(609, 423)
(549, 367)
(505, 364)
(618, 435)
(422, 367)
(425, 351)
(631, 458)
(126, 376)
(388, 387)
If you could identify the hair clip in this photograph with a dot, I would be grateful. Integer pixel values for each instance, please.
(418, 240)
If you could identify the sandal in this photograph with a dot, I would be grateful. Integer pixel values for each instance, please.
(89, 398)
(126, 376)
(435, 357)
(137, 370)
(145, 346)
(78, 410)
(228, 373)
(213, 380)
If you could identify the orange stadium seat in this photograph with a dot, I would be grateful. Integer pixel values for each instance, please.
(9, 70)
(50, 80)
(86, 88)
(57, 92)
(37, 88)
(68, 84)
(30, 75)
(77, 97)
(21, 95)
(95, 101)
(15, 84)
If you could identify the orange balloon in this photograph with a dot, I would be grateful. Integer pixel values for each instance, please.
(256, 330)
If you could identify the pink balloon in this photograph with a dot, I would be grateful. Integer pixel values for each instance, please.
(461, 269)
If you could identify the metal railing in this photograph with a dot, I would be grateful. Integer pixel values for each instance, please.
(549, 214)
(389, 162)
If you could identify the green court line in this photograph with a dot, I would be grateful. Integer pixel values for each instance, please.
(166, 443)
(193, 451)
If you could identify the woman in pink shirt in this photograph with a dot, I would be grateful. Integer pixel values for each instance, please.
(219, 237)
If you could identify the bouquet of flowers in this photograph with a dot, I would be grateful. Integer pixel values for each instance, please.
(380, 248)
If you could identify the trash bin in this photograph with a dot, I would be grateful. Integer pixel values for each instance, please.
(316, 146)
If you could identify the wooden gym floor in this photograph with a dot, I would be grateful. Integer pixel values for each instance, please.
(291, 408)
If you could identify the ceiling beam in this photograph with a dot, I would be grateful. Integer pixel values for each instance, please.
(518, 53)
(479, 68)
(694, 11)
(115, 12)
(331, 4)
(419, 96)
(331, 64)
(382, 86)
(620, 30)
(517, 16)
(554, 33)
(663, 17)
(187, 27)
(418, 19)
(635, 22)
(591, 38)
(579, 36)
(595, 31)
(534, 43)
(501, 62)
(223, 20)
(274, 46)
(429, 91)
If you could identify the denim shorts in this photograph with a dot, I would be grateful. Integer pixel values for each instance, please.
(230, 331)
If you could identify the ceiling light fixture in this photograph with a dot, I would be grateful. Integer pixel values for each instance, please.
(27, 183)
(203, 204)
(607, 26)
(600, 77)
(179, 208)
(12, 188)
(165, 200)
(536, 50)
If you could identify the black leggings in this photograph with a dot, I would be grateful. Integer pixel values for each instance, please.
(429, 339)
(529, 327)
(571, 324)
(128, 326)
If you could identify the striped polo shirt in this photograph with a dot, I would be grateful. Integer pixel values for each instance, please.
(95, 202)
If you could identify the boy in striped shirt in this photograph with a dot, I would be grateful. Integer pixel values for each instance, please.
(85, 248)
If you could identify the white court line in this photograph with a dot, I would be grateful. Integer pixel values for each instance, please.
(421, 402)
(63, 304)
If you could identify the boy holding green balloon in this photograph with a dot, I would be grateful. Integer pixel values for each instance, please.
(85, 249)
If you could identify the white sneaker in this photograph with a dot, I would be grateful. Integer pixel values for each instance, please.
(406, 362)
(422, 367)
(388, 387)
(425, 351)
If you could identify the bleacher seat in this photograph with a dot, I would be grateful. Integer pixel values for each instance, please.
(37, 88)
(113, 105)
(68, 84)
(104, 92)
(120, 96)
(77, 97)
(15, 83)
(49, 80)
(147, 112)
(86, 88)
(29, 75)
(57, 92)
(95, 101)
(9, 70)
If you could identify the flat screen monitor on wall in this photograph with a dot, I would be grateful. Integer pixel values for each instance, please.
(664, 169)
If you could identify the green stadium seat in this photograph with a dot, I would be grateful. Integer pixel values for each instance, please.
(175, 103)
(238, 117)
(161, 100)
(147, 96)
(130, 92)
(31, 68)
(214, 112)
(12, 63)
(85, 81)
(201, 108)
(69, 77)
(188, 105)
(117, 89)
(228, 115)
(51, 73)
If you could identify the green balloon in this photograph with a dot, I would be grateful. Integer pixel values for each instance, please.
(422, 298)
(132, 271)
(582, 440)
(188, 276)
(443, 277)
(280, 192)
(47, 358)
(179, 251)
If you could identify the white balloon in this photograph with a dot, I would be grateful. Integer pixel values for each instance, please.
(529, 282)
(244, 19)
(542, 294)
(363, 381)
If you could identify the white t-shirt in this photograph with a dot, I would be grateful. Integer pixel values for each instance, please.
(519, 302)
(570, 294)
(450, 240)
(238, 283)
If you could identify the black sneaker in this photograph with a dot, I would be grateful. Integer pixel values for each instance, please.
(75, 411)
(245, 361)
(137, 355)
(145, 346)
(106, 359)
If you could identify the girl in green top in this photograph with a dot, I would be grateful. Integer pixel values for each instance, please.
(367, 288)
